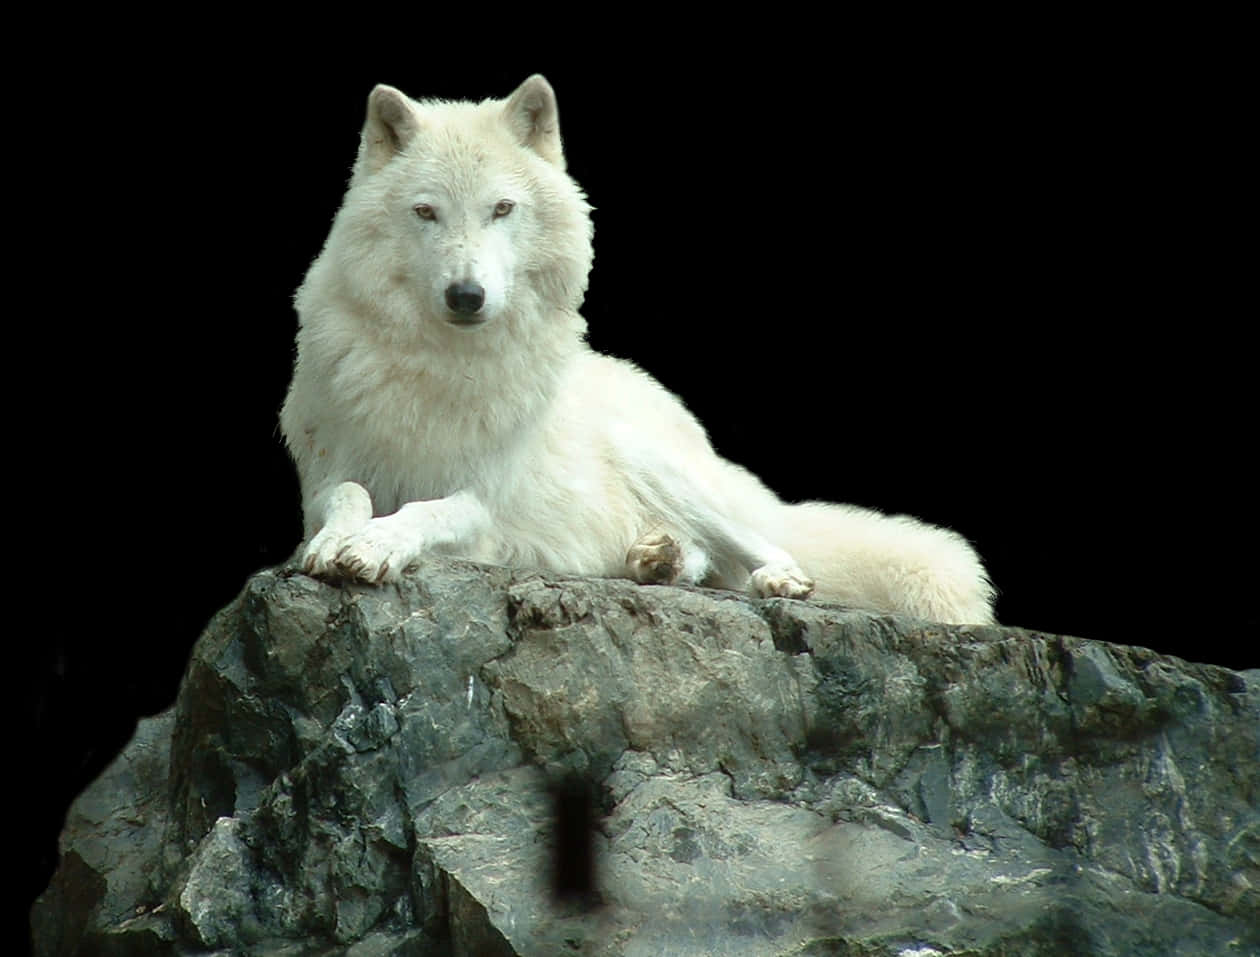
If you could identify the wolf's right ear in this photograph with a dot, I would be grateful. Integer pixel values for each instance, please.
(390, 125)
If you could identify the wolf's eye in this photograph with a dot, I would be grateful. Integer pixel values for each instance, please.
(503, 207)
(425, 212)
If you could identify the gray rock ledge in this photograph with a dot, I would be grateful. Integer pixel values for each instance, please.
(366, 771)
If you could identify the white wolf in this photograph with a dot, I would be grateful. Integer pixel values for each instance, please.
(444, 398)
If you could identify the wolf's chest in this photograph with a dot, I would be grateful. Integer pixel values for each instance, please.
(417, 433)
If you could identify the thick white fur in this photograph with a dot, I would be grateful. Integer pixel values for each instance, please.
(497, 434)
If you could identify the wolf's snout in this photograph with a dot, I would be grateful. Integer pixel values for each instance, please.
(465, 298)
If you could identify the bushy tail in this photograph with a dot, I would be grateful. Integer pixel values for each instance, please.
(890, 563)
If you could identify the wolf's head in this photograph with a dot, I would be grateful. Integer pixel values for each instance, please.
(460, 217)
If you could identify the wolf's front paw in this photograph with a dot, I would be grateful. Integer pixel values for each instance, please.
(781, 581)
(376, 553)
(319, 559)
(655, 559)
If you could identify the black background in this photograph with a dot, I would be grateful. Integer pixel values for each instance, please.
(987, 277)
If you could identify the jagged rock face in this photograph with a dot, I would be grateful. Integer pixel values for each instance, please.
(370, 771)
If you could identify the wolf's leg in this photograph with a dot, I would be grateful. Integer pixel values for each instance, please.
(726, 543)
(378, 549)
(382, 548)
(659, 558)
(775, 573)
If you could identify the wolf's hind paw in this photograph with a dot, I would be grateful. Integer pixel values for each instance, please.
(655, 559)
(781, 581)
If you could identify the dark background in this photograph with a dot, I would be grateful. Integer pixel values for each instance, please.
(987, 278)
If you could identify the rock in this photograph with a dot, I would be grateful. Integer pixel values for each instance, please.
(374, 771)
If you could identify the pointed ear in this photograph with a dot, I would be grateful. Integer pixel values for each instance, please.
(390, 125)
(532, 115)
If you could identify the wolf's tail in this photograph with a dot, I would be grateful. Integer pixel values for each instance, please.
(891, 563)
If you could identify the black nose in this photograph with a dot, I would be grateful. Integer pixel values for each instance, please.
(465, 298)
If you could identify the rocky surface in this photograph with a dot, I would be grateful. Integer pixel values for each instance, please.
(373, 772)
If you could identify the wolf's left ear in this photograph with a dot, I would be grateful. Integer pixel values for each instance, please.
(532, 115)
